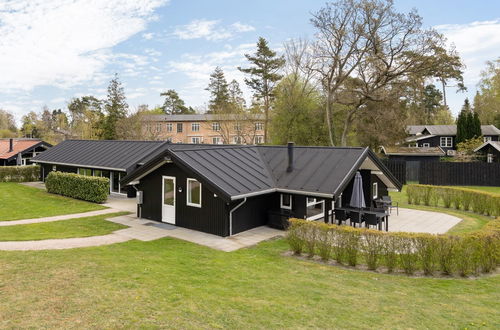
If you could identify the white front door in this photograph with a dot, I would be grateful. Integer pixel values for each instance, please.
(168, 200)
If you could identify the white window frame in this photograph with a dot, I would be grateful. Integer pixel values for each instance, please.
(195, 138)
(286, 207)
(170, 127)
(158, 127)
(319, 215)
(489, 158)
(216, 140)
(195, 127)
(446, 141)
(216, 126)
(180, 127)
(375, 190)
(259, 126)
(237, 139)
(259, 139)
(486, 138)
(188, 193)
(426, 145)
(54, 168)
(237, 127)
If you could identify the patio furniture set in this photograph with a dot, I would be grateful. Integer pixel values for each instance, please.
(377, 216)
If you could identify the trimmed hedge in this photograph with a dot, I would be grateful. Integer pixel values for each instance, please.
(458, 198)
(19, 173)
(87, 188)
(463, 255)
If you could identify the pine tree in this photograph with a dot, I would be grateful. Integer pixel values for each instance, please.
(174, 105)
(219, 93)
(236, 95)
(463, 123)
(264, 74)
(476, 126)
(116, 108)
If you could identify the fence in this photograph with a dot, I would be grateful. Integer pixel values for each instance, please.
(397, 168)
(460, 174)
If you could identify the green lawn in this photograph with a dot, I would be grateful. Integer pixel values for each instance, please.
(21, 202)
(80, 227)
(471, 221)
(495, 190)
(172, 283)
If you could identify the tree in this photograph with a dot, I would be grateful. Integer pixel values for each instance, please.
(363, 49)
(7, 121)
(468, 124)
(116, 108)
(174, 105)
(264, 74)
(236, 95)
(487, 99)
(87, 117)
(29, 125)
(219, 93)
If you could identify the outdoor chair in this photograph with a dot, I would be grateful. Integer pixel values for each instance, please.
(356, 218)
(390, 204)
(340, 215)
(372, 220)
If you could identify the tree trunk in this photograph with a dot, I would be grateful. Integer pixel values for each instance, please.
(444, 91)
(347, 126)
(266, 117)
(328, 121)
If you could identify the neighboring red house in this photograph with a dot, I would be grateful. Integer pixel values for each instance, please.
(20, 151)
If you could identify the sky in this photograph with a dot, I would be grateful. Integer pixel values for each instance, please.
(53, 50)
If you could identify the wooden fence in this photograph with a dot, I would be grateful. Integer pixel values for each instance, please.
(459, 174)
(397, 168)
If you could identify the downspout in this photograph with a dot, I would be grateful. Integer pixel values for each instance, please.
(231, 216)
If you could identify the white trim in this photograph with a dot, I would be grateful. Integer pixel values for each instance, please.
(286, 191)
(173, 178)
(317, 216)
(445, 139)
(286, 207)
(489, 158)
(231, 216)
(426, 145)
(188, 193)
(80, 165)
(149, 171)
(375, 188)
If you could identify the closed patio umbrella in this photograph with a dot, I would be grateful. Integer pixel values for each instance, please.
(19, 160)
(357, 196)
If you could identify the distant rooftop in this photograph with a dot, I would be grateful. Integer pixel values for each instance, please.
(413, 151)
(447, 129)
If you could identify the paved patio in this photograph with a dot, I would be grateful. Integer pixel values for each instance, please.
(416, 221)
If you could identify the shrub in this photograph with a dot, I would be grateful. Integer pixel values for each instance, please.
(445, 249)
(324, 243)
(372, 248)
(19, 173)
(87, 188)
(295, 237)
(408, 257)
(426, 248)
(389, 251)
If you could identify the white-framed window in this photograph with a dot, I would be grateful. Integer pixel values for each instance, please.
(54, 168)
(237, 139)
(314, 209)
(179, 127)
(375, 190)
(446, 141)
(426, 145)
(413, 145)
(259, 126)
(216, 140)
(196, 140)
(195, 127)
(237, 127)
(486, 138)
(489, 158)
(170, 127)
(84, 171)
(23, 161)
(158, 127)
(286, 201)
(148, 127)
(98, 173)
(216, 127)
(193, 192)
(259, 139)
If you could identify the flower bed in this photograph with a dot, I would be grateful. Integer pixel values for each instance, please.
(464, 255)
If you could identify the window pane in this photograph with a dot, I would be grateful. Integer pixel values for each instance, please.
(194, 192)
(97, 173)
(116, 182)
(168, 192)
(286, 200)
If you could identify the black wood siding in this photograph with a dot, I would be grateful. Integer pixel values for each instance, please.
(212, 217)
(254, 212)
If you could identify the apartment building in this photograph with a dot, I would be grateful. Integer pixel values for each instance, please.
(205, 128)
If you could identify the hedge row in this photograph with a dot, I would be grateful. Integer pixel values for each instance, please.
(19, 173)
(459, 198)
(87, 188)
(465, 255)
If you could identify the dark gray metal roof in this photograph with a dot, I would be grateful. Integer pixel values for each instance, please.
(494, 144)
(116, 155)
(448, 129)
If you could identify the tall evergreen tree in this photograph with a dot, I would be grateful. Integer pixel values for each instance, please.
(174, 105)
(476, 126)
(116, 108)
(465, 123)
(264, 74)
(219, 92)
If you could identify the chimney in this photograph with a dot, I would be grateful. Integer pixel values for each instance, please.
(290, 157)
(11, 145)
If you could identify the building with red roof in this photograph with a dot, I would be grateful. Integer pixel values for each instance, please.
(20, 151)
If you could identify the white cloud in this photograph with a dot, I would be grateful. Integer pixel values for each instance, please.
(209, 30)
(476, 43)
(148, 36)
(63, 43)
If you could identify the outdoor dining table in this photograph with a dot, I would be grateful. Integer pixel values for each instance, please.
(379, 214)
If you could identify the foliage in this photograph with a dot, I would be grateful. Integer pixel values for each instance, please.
(468, 124)
(487, 99)
(87, 188)
(174, 105)
(465, 149)
(7, 122)
(219, 93)
(19, 173)
(87, 117)
(468, 199)
(116, 108)
(463, 255)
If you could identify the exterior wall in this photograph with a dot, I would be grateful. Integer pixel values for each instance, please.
(493, 137)
(489, 150)
(26, 154)
(158, 130)
(254, 212)
(368, 180)
(415, 158)
(212, 217)
(435, 141)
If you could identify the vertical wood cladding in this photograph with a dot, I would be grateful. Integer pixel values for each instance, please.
(212, 217)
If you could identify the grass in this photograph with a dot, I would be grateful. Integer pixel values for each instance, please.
(79, 227)
(470, 221)
(172, 283)
(18, 201)
(494, 190)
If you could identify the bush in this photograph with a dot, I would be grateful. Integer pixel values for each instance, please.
(467, 199)
(19, 173)
(466, 254)
(87, 188)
